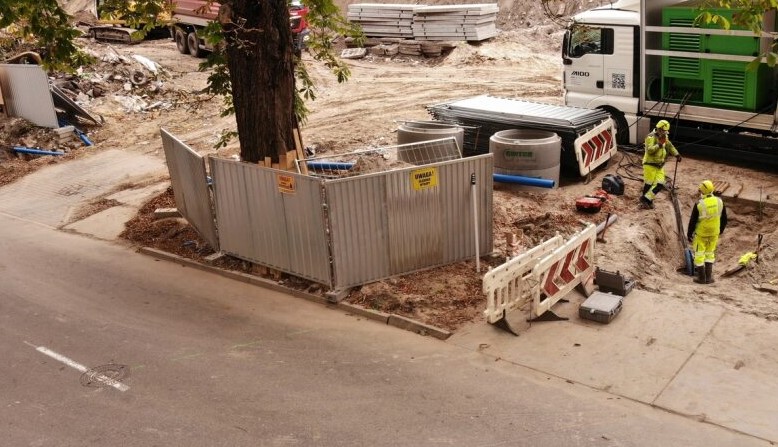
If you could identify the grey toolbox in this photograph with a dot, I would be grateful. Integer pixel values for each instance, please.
(613, 282)
(602, 307)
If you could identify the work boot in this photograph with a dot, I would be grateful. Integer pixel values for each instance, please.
(709, 273)
(701, 277)
(645, 203)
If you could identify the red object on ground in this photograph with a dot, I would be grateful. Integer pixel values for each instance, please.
(588, 204)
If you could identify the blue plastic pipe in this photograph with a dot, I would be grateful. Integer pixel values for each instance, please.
(521, 180)
(330, 165)
(27, 150)
(82, 136)
(502, 178)
(79, 133)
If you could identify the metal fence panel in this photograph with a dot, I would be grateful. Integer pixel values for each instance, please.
(26, 94)
(357, 220)
(271, 217)
(414, 218)
(457, 211)
(400, 221)
(190, 187)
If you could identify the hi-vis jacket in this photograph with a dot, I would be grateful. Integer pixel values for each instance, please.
(656, 153)
(709, 217)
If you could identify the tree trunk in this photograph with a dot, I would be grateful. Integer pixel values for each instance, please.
(260, 60)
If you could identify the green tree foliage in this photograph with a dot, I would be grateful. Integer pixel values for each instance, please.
(142, 15)
(44, 24)
(749, 14)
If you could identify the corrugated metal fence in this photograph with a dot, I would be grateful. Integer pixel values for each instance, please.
(25, 90)
(190, 186)
(271, 217)
(347, 231)
(385, 224)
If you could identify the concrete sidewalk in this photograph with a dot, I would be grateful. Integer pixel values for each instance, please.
(55, 194)
(693, 359)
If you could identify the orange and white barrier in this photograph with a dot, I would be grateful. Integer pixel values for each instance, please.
(595, 147)
(507, 286)
(541, 276)
(560, 272)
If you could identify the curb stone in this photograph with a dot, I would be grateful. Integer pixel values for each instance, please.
(420, 328)
(381, 317)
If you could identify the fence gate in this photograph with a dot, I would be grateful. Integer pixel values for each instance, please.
(190, 187)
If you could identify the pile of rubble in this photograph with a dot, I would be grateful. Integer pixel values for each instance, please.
(133, 82)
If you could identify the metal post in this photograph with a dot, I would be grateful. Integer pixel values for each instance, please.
(475, 222)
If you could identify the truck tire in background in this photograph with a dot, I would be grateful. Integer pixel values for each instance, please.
(622, 128)
(180, 37)
(193, 42)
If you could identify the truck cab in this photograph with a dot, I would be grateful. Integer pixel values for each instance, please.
(601, 70)
(647, 60)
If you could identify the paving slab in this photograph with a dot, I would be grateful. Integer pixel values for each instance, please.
(731, 379)
(107, 224)
(139, 196)
(691, 358)
(49, 195)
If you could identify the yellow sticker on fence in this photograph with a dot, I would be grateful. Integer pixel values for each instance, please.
(286, 184)
(424, 178)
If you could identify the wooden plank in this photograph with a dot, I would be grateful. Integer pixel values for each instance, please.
(299, 149)
(268, 162)
(282, 162)
(290, 157)
(2, 104)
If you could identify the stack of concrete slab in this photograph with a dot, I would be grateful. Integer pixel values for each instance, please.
(474, 22)
(383, 20)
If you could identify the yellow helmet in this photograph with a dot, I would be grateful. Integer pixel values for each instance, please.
(706, 187)
(664, 125)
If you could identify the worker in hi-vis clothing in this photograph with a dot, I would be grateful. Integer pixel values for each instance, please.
(657, 146)
(707, 222)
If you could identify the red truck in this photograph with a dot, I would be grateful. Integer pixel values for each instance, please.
(190, 16)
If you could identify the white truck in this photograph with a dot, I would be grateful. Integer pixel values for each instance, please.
(646, 60)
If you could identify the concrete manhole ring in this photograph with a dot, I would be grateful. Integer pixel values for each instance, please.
(105, 375)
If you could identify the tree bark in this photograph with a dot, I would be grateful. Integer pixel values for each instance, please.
(261, 64)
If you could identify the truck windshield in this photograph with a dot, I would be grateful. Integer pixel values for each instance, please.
(586, 40)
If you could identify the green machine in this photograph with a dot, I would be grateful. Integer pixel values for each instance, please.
(718, 77)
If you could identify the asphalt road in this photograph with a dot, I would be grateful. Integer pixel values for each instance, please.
(104, 346)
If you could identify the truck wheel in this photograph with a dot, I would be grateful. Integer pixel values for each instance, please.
(181, 44)
(194, 45)
(622, 128)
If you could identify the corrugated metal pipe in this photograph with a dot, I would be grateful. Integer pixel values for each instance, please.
(28, 150)
(330, 165)
(526, 181)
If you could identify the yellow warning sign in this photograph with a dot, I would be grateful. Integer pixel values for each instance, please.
(286, 184)
(424, 178)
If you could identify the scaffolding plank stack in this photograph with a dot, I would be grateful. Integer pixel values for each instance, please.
(455, 22)
(383, 20)
(468, 22)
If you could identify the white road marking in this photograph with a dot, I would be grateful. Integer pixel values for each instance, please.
(81, 368)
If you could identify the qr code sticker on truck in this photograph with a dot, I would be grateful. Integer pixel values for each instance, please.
(618, 81)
